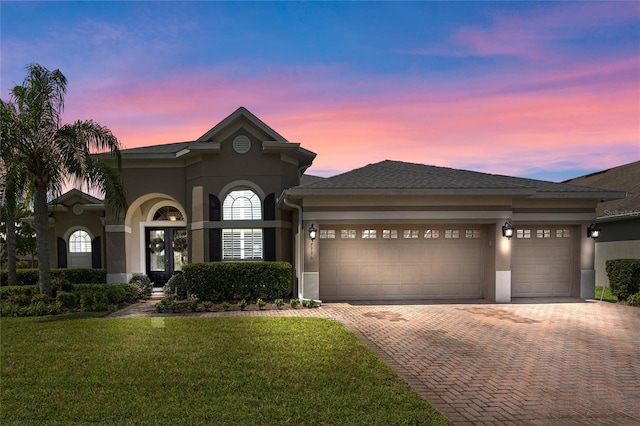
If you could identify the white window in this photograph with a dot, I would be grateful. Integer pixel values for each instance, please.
(327, 234)
(472, 233)
(242, 204)
(452, 233)
(410, 233)
(563, 233)
(432, 233)
(523, 233)
(80, 242)
(349, 234)
(242, 244)
(543, 233)
(369, 233)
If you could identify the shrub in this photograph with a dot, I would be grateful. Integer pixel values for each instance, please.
(226, 306)
(28, 291)
(97, 297)
(309, 303)
(624, 276)
(294, 303)
(30, 276)
(131, 292)
(260, 303)
(60, 283)
(207, 305)
(19, 300)
(67, 300)
(176, 286)
(37, 298)
(144, 285)
(279, 303)
(238, 280)
(634, 299)
(193, 305)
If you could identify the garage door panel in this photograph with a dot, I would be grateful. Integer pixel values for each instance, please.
(542, 267)
(401, 267)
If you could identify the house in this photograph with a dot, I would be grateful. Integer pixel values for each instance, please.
(618, 219)
(390, 230)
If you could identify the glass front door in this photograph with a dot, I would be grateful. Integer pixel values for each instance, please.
(166, 253)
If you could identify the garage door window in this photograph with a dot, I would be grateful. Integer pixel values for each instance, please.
(523, 233)
(452, 233)
(472, 233)
(543, 233)
(431, 233)
(327, 234)
(369, 234)
(411, 233)
(563, 233)
(389, 233)
(349, 234)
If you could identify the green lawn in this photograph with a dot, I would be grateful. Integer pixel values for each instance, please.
(608, 296)
(80, 369)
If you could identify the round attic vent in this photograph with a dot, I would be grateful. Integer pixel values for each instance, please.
(241, 144)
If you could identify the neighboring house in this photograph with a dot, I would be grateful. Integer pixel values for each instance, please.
(390, 230)
(619, 219)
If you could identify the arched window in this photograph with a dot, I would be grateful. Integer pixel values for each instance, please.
(242, 243)
(79, 242)
(242, 204)
(168, 213)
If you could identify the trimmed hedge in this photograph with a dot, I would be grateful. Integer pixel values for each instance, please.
(12, 290)
(30, 276)
(217, 281)
(624, 277)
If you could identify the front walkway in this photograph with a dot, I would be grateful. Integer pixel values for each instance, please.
(531, 362)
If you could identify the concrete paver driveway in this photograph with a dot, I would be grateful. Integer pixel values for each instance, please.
(529, 362)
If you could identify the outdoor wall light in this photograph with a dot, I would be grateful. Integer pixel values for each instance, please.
(312, 232)
(593, 231)
(507, 230)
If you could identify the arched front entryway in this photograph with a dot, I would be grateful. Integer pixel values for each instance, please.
(158, 240)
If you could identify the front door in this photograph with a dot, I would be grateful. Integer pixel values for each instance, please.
(166, 253)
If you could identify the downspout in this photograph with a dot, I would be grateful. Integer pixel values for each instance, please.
(300, 256)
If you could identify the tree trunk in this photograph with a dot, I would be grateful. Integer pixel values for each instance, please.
(11, 244)
(41, 219)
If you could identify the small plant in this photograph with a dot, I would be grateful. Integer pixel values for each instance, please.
(279, 303)
(294, 303)
(226, 306)
(260, 304)
(309, 303)
(242, 304)
(193, 305)
(634, 299)
(144, 285)
(207, 305)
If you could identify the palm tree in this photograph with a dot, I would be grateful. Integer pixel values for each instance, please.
(52, 153)
(12, 182)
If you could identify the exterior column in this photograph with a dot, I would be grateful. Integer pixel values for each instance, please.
(503, 248)
(116, 237)
(198, 252)
(311, 275)
(587, 264)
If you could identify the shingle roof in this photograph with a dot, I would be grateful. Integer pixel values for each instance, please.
(622, 178)
(169, 148)
(308, 179)
(394, 175)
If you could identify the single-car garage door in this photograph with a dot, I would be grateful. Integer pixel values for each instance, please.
(400, 262)
(542, 261)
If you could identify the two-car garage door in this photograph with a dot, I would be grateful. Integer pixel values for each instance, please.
(401, 262)
(439, 262)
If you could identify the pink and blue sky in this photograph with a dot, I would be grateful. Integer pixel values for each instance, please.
(548, 90)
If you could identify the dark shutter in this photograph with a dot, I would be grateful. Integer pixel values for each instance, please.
(62, 253)
(215, 214)
(96, 253)
(215, 245)
(269, 240)
(269, 207)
